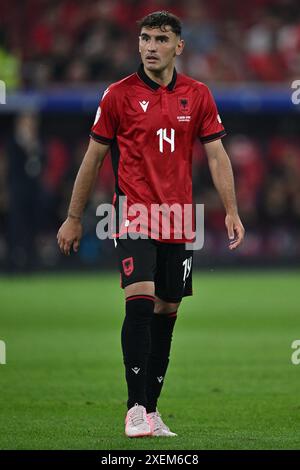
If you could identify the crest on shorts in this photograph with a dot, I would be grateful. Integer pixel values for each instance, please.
(128, 266)
(184, 105)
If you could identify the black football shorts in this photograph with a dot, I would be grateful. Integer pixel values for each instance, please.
(169, 265)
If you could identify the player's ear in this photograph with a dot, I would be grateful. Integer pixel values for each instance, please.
(180, 47)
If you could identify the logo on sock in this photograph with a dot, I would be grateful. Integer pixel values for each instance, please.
(160, 379)
(136, 370)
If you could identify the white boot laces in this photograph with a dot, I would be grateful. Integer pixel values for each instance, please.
(159, 422)
(137, 415)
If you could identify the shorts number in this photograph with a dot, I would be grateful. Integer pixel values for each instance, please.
(187, 268)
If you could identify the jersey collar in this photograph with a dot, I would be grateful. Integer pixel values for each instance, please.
(155, 86)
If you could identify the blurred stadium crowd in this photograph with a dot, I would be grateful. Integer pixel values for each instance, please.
(49, 42)
(63, 44)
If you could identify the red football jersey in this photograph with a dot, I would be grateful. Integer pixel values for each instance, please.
(151, 130)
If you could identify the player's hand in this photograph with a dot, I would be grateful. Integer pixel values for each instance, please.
(235, 230)
(69, 235)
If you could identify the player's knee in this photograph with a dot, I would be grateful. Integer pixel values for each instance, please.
(165, 308)
(140, 288)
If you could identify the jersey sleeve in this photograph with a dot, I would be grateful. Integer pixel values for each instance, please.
(211, 127)
(106, 121)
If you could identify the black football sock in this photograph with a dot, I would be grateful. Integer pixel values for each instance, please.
(161, 337)
(136, 343)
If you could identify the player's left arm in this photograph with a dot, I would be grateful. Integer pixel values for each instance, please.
(222, 175)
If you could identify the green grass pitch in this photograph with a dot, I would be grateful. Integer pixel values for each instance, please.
(230, 385)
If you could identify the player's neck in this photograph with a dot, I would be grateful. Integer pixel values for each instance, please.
(163, 78)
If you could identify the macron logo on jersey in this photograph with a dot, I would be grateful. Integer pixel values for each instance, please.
(144, 105)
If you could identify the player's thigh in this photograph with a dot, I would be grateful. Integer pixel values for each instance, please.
(137, 265)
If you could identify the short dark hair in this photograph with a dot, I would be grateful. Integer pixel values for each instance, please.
(161, 19)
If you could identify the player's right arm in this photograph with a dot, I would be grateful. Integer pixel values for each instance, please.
(70, 232)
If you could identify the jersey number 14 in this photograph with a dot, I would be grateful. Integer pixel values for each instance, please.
(162, 133)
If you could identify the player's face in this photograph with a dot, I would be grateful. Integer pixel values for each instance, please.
(159, 48)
